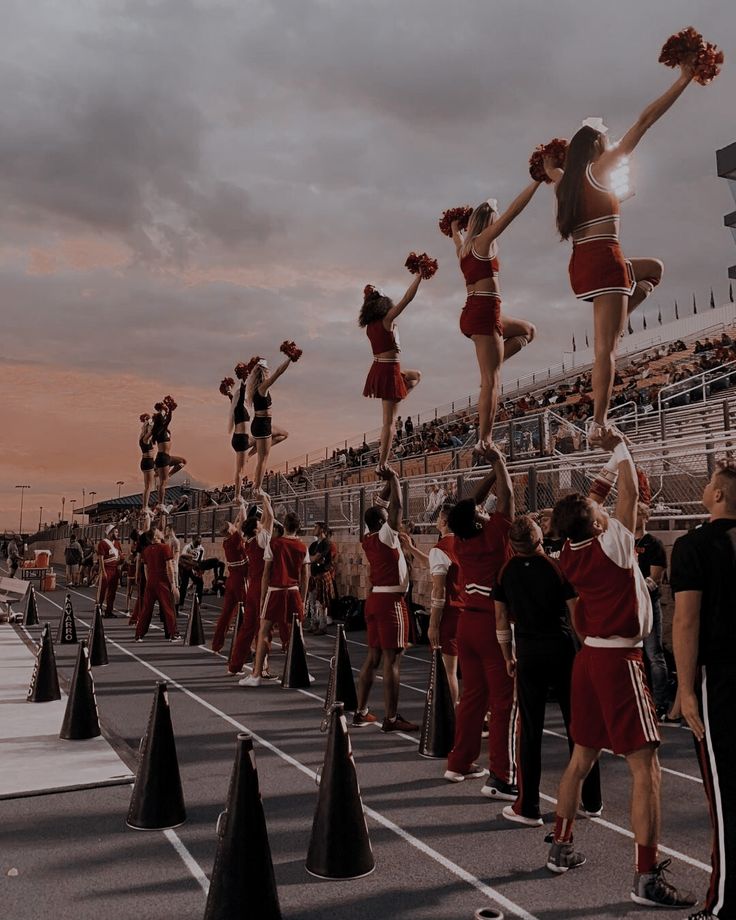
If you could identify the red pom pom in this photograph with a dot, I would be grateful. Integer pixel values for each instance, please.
(369, 292)
(169, 402)
(241, 371)
(645, 490)
(291, 351)
(421, 264)
(555, 150)
(145, 417)
(226, 385)
(689, 47)
(461, 215)
(251, 364)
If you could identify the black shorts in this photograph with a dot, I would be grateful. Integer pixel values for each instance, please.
(239, 442)
(260, 427)
(162, 460)
(147, 464)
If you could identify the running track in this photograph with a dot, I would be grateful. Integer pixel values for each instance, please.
(441, 850)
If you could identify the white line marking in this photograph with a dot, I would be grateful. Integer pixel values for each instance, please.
(188, 860)
(446, 863)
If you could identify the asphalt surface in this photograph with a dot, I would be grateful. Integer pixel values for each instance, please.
(441, 850)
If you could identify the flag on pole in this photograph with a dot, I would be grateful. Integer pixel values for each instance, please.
(730, 291)
(695, 306)
(712, 300)
(643, 322)
(573, 343)
(659, 316)
(587, 345)
(629, 329)
(677, 312)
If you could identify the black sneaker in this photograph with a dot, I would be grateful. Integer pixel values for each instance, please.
(398, 724)
(562, 856)
(496, 788)
(702, 915)
(653, 890)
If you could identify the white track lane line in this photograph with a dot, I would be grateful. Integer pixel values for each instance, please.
(683, 857)
(419, 845)
(195, 870)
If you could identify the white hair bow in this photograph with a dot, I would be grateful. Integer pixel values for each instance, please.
(595, 123)
(493, 204)
(263, 363)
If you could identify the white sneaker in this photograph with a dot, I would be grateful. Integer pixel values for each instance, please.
(328, 621)
(510, 815)
(475, 772)
(250, 681)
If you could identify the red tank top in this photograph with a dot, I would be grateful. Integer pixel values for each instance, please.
(382, 339)
(234, 547)
(288, 557)
(453, 586)
(597, 205)
(609, 603)
(479, 561)
(254, 554)
(386, 562)
(477, 268)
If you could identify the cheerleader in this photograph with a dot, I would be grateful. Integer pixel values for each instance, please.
(262, 430)
(145, 442)
(238, 419)
(588, 213)
(386, 381)
(496, 337)
(165, 465)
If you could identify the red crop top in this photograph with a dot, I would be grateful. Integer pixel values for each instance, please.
(598, 204)
(380, 338)
(477, 268)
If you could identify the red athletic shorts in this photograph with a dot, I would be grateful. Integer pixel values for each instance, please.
(481, 315)
(599, 267)
(387, 621)
(448, 630)
(281, 604)
(385, 381)
(610, 700)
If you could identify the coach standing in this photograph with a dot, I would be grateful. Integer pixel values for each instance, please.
(704, 633)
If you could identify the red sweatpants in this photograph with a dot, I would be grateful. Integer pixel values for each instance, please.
(486, 687)
(234, 595)
(156, 591)
(249, 629)
(140, 594)
(110, 577)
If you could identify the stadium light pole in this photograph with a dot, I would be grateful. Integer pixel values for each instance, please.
(84, 504)
(22, 493)
(92, 496)
(40, 513)
(119, 483)
(63, 503)
(72, 502)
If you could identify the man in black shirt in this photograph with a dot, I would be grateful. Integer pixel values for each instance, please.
(551, 544)
(652, 559)
(322, 582)
(704, 634)
(532, 592)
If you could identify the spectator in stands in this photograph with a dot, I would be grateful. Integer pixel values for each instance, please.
(189, 569)
(409, 426)
(433, 502)
(399, 427)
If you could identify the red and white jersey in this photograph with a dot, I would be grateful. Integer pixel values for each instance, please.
(288, 556)
(443, 561)
(254, 549)
(479, 561)
(110, 550)
(388, 571)
(614, 607)
(234, 548)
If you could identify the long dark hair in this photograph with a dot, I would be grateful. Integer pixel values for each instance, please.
(375, 306)
(579, 153)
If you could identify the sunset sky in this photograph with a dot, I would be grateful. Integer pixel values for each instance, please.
(186, 184)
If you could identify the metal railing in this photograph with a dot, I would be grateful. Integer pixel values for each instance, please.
(702, 381)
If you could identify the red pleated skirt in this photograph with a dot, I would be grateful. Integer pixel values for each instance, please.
(481, 315)
(385, 381)
(599, 267)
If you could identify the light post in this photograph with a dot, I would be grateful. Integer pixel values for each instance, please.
(72, 502)
(63, 502)
(92, 496)
(119, 483)
(40, 514)
(84, 504)
(22, 492)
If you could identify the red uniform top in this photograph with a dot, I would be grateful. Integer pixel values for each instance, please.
(155, 558)
(389, 573)
(477, 268)
(110, 550)
(382, 339)
(596, 205)
(288, 556)
(443, 561)
(234, 548)
(614, 608)
(254, 549)
(479, 561)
